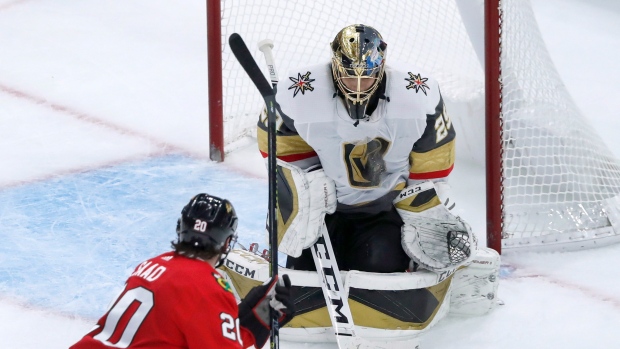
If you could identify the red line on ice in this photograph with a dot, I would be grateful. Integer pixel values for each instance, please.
(11, 4)
(164, 147)
(591, 293)
(87, 118)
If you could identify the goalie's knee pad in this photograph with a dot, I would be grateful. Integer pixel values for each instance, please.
(244, 270)
(390, 310)
(474, 288)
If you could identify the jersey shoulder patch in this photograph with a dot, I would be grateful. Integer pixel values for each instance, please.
(219, 279)
(410, 78)
(416, 82)
(306, 92)
(301, 83)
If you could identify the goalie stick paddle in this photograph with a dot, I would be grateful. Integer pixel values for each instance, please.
(243, 55)
(333, 290)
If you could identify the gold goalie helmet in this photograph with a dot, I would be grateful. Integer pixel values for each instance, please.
(358, 64)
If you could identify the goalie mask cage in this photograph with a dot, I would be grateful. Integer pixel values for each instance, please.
(551, 182)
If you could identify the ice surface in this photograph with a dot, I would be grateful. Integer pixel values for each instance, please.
(103, 139)
(86, 232)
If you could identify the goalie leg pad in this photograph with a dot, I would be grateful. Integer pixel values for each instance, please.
(431, 235)
(303, 201)
(244, 270)
(402, 318)
(474, 288)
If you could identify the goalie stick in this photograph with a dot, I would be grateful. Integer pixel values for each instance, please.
(323, 254)
(243, 55)
(333, 290)
(271, 134)
(265, 46)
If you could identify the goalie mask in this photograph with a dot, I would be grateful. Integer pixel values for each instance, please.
(206, 223)
(358, 64)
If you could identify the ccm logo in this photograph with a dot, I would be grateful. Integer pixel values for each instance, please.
(240, 269)
(330, 280)
(409, 191)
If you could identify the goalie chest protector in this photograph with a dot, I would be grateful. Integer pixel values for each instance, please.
(369, 158)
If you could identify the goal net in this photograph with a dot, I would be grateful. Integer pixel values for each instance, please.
(560, 182)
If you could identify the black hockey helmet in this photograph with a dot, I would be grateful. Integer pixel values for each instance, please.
(358, 65)
(207, 222)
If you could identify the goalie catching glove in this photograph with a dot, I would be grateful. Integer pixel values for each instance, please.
(255, 309)
(431, 235)
(304, 197)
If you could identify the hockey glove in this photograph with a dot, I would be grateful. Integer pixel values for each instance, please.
(431, 235)
(255, 309)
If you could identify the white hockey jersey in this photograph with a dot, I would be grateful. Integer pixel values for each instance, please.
(408, 136)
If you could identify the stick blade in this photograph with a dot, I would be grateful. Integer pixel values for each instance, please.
(243, 55)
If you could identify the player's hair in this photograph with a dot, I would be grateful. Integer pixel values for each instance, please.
(201, 252)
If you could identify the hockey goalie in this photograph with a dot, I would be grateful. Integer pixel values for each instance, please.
(364, 152)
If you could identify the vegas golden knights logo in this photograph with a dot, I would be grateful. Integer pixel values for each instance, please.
(365, 163)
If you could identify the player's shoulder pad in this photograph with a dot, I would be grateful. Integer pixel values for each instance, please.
(304, 87)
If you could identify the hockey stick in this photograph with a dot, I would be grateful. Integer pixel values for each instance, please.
(323, 253)
(271, 135)
(243, 55)
(265, 46)
(333, 290)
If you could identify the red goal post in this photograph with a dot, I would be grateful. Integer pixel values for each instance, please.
(551, 182)
(216, 106)
(493, 113)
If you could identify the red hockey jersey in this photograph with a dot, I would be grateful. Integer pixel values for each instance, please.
(171, 301)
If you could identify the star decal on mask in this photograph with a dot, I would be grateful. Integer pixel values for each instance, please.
(417, 83)
(301, 84)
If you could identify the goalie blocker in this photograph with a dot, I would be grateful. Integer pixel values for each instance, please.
(385, 307)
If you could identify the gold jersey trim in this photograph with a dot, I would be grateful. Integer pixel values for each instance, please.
(438, 159)
(285, 145)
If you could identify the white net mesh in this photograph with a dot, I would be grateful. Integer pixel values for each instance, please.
(302, 31)
(557, 172)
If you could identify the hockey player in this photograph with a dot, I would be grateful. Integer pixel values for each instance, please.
(366, 148)
(179, 300)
